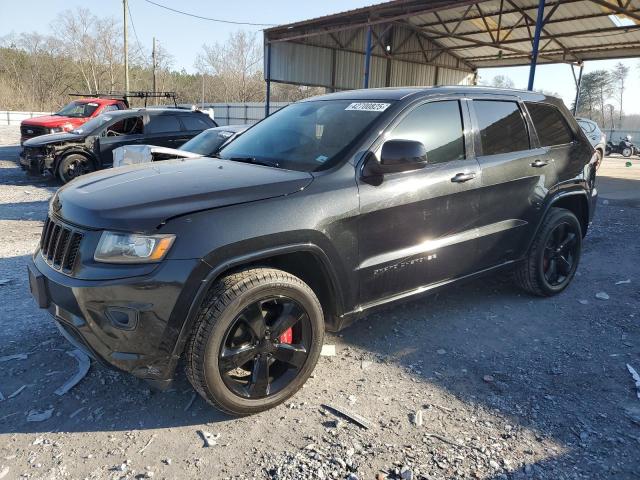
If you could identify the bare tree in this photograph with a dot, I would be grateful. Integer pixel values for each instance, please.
(235, 66)
(502, 81)
(619, 77)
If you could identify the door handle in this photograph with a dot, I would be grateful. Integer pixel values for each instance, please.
(463, 177)
(539, 163)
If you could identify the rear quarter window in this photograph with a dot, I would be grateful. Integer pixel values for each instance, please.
(550, 124)
(163, 124)
(195, 122)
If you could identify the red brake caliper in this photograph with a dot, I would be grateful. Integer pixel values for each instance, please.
(287, 336)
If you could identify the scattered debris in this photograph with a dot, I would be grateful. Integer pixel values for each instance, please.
(83, 367)
(352, 417)
(1, 397)
(209, 439)
(167, 461)
(36, 416)
(328, 351)
(4, 472)
(602, 296)
(366, 364)
(148, 443)
(191, 400)
(77, 412)
(17, 392)
(636, 378)
(4, 281)
(488, 378)
(583, 302)
(416, 418)
(441, 351)
(17, 356)
(623, 282)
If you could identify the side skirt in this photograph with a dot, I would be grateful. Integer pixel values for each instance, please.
(364, 309)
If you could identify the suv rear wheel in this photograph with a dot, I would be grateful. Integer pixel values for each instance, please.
(554, 255)
(256, 340)
(74, 165)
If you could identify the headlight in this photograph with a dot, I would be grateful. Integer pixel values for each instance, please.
(116, 247)
(56, 129)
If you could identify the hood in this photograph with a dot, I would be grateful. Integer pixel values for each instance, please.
(50, 121)
(141, 197)
(53, 138)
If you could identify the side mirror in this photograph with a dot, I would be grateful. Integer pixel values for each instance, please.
(398, 156)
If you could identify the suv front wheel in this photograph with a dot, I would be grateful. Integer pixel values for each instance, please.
(553, 257)
(256, 340)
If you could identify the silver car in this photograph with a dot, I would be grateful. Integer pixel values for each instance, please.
(205, 144)
(596, 137)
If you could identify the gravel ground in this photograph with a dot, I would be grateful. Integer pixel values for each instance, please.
(504, 386)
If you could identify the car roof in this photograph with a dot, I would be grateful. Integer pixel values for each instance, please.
(403, 93)
(153, 112)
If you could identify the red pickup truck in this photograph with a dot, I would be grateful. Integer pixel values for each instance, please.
(69, 117)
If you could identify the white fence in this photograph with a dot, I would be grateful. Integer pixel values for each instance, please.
(225, 113)
(14, 118)
(241, 113)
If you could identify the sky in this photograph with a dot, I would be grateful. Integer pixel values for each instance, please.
(184, 36)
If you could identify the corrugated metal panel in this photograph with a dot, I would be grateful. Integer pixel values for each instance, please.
(302, 64)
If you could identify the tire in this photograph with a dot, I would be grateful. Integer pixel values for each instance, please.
(72, 166)
(227, 322)
(535, 273)
(626, 152)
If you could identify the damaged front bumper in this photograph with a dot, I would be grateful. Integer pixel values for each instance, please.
(35, 162)
(128, 324)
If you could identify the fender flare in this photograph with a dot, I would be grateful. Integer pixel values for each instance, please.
(551, 202)
(216, 271)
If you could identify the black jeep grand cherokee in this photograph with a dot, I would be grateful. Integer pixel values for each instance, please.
(330, 207)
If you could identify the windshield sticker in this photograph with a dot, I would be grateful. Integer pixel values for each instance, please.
(92, 104)
(321, 158)
(368, 107)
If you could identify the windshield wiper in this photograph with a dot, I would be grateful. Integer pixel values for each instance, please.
(253, 161)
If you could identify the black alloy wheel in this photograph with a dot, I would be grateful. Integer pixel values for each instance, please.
(552, 259)
(265, 347)
(560, 254)
(255, 341)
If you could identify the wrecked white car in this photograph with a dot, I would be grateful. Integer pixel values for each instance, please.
(206, 144)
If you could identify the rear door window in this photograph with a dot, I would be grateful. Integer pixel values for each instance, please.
(550, 124)
(502, 127)
(126, 126)
(163, 124)
(438, 125)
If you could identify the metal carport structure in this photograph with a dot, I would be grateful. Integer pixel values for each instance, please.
(438, 42)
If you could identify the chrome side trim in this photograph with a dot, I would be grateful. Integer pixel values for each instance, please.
(433, 245)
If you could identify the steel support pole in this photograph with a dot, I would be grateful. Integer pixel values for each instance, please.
(267, 105)
(367, 58)
(578, 85)
(536, 44)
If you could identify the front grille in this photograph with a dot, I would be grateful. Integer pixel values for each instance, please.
(30, 131)
(59, 245)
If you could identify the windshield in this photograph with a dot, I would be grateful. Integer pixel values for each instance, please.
(92, 124)
(306, 136)
(207, 143)
(78, 109)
